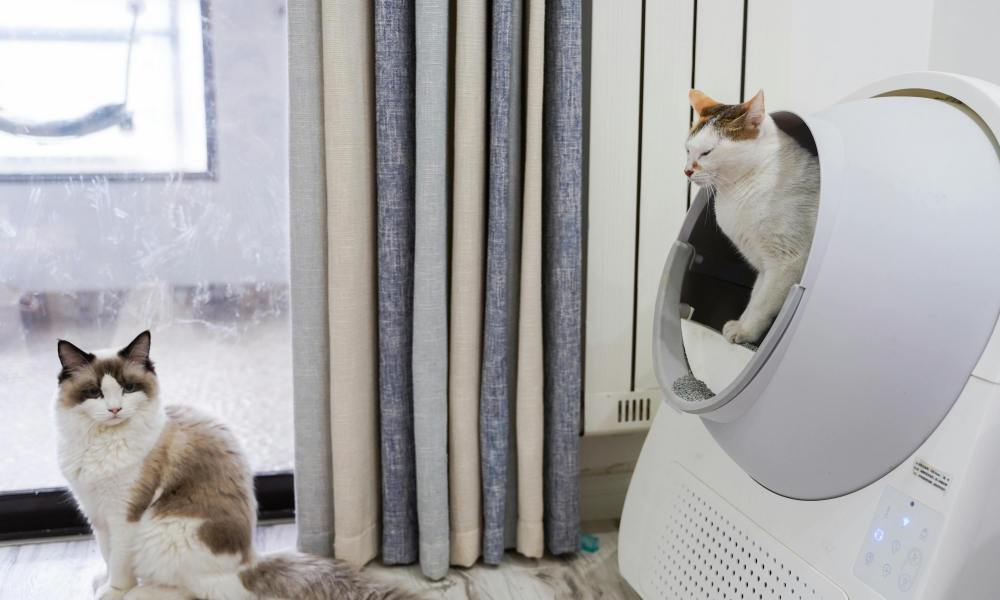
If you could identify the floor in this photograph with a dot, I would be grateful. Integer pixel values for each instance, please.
(63, 570)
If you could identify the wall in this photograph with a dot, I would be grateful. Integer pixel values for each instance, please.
(808, 55)
(964, 38)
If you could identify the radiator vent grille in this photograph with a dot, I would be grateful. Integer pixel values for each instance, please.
(634, 410)
(608, 413)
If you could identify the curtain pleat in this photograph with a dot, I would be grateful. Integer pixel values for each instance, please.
(307, 199)
(497, 431)
(395, 130)
(562, 271)
(515, 191)
(467, 255)
(530, 359)
(430, 288)
(350, 187)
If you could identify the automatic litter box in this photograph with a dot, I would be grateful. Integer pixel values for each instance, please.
(855, 453)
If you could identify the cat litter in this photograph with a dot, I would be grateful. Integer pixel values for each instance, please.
(691, 388)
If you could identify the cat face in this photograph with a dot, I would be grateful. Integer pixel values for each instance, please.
(717, 146)
(109, 389)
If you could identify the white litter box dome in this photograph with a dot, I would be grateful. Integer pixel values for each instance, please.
(899, 298)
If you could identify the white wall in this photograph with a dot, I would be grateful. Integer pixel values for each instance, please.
(965, 39)
(808, 55)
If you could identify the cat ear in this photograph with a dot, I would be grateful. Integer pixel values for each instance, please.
(755, 110)
(699, 101)
(72, 357)
(138, 349)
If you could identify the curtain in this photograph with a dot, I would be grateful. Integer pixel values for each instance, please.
(307, 229)
(430, 291)
(467, 272)
(530, 416)
(394, 102)
(348, 84)
(436, 278)
(563, 271)
(502, 266)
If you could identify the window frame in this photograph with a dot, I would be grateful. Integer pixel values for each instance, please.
(51, 512)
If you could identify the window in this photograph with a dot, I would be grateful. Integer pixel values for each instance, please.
(96, 258)
(114, 87)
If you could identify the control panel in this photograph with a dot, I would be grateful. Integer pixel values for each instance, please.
(897, 545)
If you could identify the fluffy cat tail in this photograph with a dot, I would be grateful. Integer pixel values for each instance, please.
(298, 576)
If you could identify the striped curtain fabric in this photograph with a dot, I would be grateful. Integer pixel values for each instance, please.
(449, 162)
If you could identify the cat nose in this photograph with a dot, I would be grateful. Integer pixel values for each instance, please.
(114, 411)
(688, 172)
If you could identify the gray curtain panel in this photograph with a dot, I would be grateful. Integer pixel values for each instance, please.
(562, 268)
(310, 347)
(430, 288)
(394, 117)
(496, 425)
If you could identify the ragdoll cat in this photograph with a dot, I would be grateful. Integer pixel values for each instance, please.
(766, 194)
(169, 493)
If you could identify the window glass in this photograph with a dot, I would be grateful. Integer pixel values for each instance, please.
(95, 259)
(105, 86)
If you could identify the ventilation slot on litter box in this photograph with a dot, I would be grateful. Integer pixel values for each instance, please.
(706, 549)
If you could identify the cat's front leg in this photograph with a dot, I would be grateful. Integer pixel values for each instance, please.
(769, 292)
(101, 535)
(121, 577)
(736, 333)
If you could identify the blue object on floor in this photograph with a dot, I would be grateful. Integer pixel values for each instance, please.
(590, 543)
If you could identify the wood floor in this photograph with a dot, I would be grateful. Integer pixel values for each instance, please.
(63, 570)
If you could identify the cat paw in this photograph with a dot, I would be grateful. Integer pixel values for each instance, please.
(736, 332)
(107, 592)
(156, 592)
(99, 579)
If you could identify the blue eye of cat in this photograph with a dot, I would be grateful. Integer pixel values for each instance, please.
(130, 387)
(92, 393)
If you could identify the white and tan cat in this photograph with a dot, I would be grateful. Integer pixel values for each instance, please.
(169, 494)
(766, 191)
